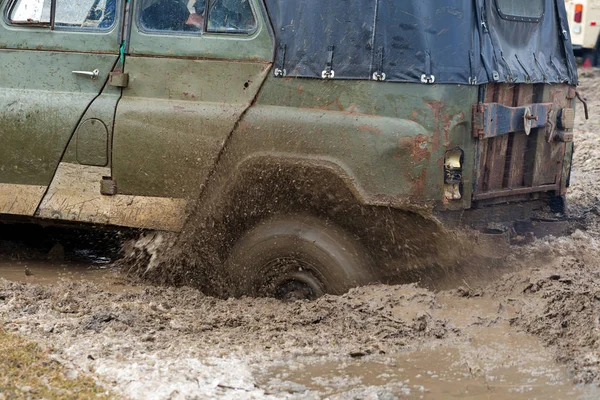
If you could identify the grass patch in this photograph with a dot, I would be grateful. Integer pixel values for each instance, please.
(26, 371)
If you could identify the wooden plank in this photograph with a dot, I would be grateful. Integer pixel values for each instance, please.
(513, 192)
(547, 161)
(496, 159)
(482, 147)
(491, 92)
(518, 148)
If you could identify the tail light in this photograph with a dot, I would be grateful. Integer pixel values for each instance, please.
(578, 13)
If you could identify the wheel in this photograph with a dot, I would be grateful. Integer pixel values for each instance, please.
(297, 257)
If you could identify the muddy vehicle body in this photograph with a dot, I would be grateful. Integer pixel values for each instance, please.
(310, 142)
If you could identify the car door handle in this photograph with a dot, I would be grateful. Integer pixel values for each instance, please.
(92, 74)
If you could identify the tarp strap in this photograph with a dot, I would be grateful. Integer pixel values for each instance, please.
(553, 63)
(279, 70)
(511, 75)
(428, 76)
(473, 75)
(379, 75)
(527, 76)
(544, 77)
(328, 72)
(483, 36)
(495, 45)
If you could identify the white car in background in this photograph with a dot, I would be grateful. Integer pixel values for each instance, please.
(584, 22)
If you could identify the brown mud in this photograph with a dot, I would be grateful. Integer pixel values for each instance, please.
(525, 325)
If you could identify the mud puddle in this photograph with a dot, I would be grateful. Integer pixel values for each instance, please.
(426, 374)
(44, 272)
(489, 359)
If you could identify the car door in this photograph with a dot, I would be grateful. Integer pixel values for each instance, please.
(189, 83)
(55, 59)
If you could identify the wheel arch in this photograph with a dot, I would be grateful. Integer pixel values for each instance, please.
(263, 185)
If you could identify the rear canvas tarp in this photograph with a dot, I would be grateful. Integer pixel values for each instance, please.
(435, 41)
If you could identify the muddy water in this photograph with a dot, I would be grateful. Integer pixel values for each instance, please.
(47, 272)
(489, 360)
(430, 374)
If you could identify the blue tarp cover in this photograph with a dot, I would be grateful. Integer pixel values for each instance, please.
(434, 41)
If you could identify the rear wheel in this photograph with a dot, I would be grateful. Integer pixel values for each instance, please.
(297, 257)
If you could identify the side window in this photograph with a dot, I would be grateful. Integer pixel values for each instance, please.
(180, 16)
(230, 16)
(172, 15)
(69, 14)
(521, 10)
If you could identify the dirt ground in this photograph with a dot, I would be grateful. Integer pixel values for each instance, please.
(531, 331)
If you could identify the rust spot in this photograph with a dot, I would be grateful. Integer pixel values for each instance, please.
(368, 128)
(183, 109)
(191, 95)
(436, 106)
(417, 192)
(300, 89)
(244, 126)
(417, 146)
(352, 108)
(337, 103)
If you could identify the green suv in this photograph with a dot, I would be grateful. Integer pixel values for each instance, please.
(304, 146)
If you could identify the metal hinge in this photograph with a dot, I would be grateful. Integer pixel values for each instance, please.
(118, 79)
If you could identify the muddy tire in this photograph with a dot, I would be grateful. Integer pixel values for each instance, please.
(297, 257)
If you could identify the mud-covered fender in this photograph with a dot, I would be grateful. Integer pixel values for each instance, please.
(383, 160)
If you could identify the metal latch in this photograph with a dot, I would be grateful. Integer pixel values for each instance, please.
(118, 79)
(528, 119)
(91, 74)
(565, 123)
(494, 119)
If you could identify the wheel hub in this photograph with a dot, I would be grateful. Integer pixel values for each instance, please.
(293, 280)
